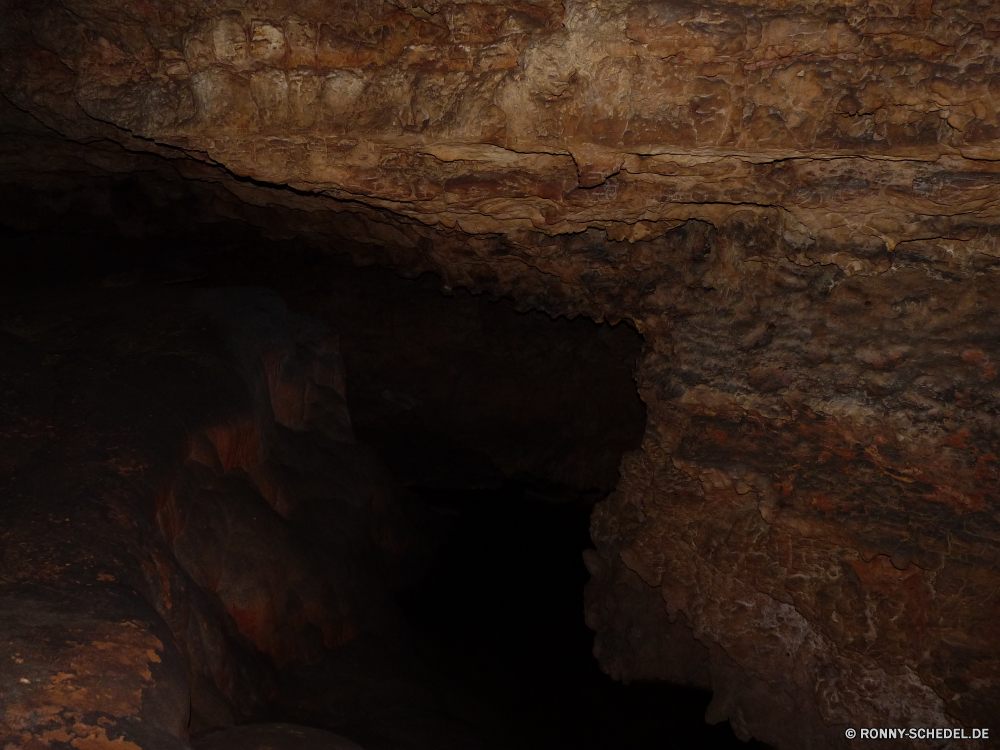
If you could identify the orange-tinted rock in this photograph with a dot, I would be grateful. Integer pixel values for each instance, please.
(794, 203)
(163, 531)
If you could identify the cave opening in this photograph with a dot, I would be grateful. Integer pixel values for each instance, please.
(500, 428)
(501, 612)
(233, 466)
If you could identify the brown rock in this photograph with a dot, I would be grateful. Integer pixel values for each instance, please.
(167, 518)
(796, 204)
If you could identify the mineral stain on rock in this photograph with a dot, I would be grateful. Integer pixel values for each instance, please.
(793, 204)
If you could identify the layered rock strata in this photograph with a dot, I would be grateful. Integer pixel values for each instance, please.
(794, 203)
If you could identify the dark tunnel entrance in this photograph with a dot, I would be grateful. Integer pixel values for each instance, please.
(503, 611)
(450, 387)
(502, 429)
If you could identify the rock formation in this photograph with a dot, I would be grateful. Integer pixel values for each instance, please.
(168, 519)
(794, 203)
(459, 390)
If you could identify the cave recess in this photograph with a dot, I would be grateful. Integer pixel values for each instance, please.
(795, 205)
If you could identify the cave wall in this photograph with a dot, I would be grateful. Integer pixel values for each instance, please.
(184, 510)
(794, 203)
(458, 390)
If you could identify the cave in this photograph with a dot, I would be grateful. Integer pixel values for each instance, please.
(419, 375)
(489, 433)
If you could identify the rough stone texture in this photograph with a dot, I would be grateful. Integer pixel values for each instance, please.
(794, 203)
(181, 498)
(548, 117)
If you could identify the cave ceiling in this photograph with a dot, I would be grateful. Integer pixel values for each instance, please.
(795, 203)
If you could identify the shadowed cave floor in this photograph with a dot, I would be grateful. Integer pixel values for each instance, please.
(500, 616)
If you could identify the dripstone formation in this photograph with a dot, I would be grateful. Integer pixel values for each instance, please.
(795, 204)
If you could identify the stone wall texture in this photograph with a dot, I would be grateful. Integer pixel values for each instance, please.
(795, 203)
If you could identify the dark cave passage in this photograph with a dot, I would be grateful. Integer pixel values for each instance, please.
(458, 390)
(500, 428)
(494, 653)
(449, 388)
(501, 612)
(418, 375)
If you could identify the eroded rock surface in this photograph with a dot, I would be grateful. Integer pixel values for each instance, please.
(545, 116)
(794, 203)
(184, 509)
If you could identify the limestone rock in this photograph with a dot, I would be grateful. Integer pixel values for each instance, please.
(795, 203)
